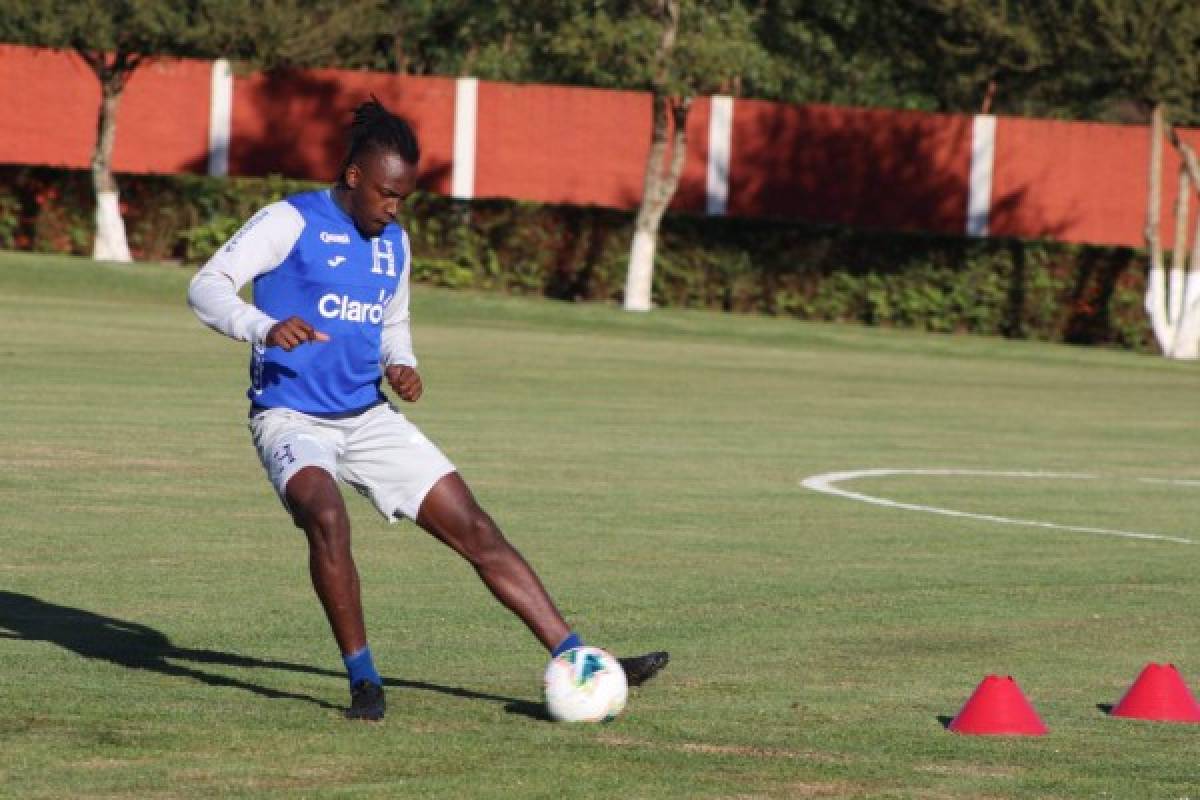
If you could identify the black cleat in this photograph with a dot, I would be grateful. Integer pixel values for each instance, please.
(639, 669)
(366, 701)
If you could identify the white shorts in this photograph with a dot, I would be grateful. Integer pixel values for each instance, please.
(378, 452)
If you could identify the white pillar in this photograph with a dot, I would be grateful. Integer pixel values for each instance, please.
(720, 148)
(220, 118)
(983, 160)
(466, 103)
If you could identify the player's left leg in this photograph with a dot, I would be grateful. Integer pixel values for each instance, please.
(405, 475)
(450, 512)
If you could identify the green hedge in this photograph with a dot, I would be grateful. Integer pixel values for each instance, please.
(1042, 290)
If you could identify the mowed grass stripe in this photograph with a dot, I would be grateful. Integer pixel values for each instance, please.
(160, 638)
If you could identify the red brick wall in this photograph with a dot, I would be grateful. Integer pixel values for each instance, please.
(1073, 181)
(51, 99)
(294, 123)
(558, 144)
(1078, 181)
(871, 168)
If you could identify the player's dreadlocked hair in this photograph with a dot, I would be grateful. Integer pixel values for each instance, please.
(374, 127)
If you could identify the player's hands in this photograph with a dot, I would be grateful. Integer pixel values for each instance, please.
(405, 382)
(293, 332)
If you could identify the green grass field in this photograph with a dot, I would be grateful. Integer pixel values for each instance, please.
(158, 636)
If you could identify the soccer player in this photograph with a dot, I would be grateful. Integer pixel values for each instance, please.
(329, 323)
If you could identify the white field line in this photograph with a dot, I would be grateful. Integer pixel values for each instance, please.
(1169, 481)
(826, 483)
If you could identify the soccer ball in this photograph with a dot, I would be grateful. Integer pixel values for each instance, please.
(584, 684)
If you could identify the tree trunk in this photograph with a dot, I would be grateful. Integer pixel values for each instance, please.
(110, 243)
(658, 187)
(989, 96)
(1186, 344)
(1156, 290)
(1175, 275)
(1173, 299)
(1187, 340)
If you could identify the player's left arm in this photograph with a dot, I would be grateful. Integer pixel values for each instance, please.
(396, 350)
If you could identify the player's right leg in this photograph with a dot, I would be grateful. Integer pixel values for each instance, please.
(319, 510)
(300, 455)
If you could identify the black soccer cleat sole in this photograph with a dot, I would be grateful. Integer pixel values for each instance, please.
(366, 702)
(639, 669)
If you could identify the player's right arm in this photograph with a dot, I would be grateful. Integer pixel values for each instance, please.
(259, 247)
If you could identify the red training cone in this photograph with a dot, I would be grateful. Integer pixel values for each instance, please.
(998, 708)
(1159, 693)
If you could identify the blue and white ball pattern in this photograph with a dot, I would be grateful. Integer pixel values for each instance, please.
(584, 684)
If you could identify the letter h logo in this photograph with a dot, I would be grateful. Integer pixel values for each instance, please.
(381, 251)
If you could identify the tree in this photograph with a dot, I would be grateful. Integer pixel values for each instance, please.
(1146, 52)
(115, 37)
(1125, 59)
(1082, 59)
(1149, 52)
(675, 49)
(496, 40)
(112, 38)
(840, 52)
(670, 105)
(1173, 298)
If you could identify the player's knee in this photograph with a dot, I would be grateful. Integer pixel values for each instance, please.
(327, 527)
(486, 545)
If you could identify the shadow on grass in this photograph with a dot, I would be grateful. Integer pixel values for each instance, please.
(137, 646)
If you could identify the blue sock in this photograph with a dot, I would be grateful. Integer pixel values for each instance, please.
(566, 644)
(361, 667)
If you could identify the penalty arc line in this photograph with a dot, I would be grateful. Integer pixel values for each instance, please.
(825, 483)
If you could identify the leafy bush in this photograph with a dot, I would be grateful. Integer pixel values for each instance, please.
(1019, 289)
(10, 217)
